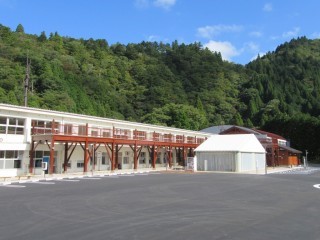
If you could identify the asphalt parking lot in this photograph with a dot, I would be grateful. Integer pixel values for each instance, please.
(164, 206)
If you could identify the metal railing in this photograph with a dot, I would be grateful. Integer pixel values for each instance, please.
(115, 133)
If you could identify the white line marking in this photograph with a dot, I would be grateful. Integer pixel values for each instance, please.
(43, 182)
(68, 180)
(5, 183)
(13, 186)
(317, 186)
(91, 178)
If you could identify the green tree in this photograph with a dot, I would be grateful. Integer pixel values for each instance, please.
(20, 28)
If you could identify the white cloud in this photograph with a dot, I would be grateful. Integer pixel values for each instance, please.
(253, 47)
(166, 4)
(212, 31)
(141, 3)
(153, 38)
(292, 33)
(267, 7)
(289, 34)
(255, 34)
(226, 49)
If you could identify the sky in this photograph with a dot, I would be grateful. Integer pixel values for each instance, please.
(239, 29)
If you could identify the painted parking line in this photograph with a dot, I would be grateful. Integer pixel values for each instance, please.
(317, 186)
(68, 180)
(49, 183)
(91, 178)
(12, 186)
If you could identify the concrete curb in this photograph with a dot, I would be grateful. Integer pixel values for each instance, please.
(38, 178)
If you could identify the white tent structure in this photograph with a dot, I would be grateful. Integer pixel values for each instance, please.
(231, 153)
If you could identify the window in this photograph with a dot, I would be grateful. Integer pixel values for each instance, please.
(125, 160)
(167, 137)
(80, 164)
(68, 129)
(141, 135)
(94, 133)
(2, 129)
(82, 130)
(11, 125)
(3, 120)
(38, 163)
(106, 133)
(43, 127)
(104, 159)
(11, 154)
(179, 138)
(158, 157)
(142, 158)
(10, 159)
(17, 163)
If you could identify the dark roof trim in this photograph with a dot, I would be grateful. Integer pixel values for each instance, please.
(290, 149)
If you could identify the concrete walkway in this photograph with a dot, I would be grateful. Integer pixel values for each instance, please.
(47, 177)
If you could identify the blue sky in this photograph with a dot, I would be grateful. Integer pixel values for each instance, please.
(239, 29)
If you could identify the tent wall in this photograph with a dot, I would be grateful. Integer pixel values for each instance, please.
(251, 161)
(230, 161)
(216, 161)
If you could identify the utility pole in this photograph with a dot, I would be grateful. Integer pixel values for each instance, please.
(26, 82)
(306, 158)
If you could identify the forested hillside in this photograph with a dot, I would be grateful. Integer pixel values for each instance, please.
(180, 85)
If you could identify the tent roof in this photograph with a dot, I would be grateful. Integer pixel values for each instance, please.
(231, 143)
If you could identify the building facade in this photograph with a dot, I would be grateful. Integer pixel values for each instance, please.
(69, 142)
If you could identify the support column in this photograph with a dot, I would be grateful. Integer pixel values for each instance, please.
(51, 167)
(65, 162)
(154, 157)
(86, 156)
(113, 167)
(135, 156)
(184, 156)
(93, 155)
(31, 154)
(116, 157)
(86, 149)
(170, 157)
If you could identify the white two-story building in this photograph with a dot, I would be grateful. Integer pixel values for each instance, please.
(78, 143)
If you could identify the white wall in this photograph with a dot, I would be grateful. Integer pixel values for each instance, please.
(216, 161)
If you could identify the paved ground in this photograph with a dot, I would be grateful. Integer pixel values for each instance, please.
(163, 206)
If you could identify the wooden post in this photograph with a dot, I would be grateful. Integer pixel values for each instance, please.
(31, 153)
(135, 157)
(113, 167)
(154, 157)
(170, 157)
(65, 162)
(51, 167)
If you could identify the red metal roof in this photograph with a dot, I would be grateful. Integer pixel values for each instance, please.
(272, 135)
